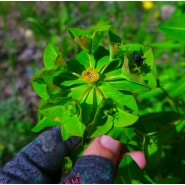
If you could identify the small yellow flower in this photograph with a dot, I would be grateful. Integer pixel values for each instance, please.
(90, 75)
(147, 5)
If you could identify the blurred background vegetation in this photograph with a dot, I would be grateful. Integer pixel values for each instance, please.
(27, 27)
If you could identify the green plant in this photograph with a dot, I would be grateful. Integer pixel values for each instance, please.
(95, 93)
(15, 128)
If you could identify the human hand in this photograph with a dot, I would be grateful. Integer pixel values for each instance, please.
(92, 166)
(109, 148)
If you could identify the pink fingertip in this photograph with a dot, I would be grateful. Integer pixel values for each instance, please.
(138, 157)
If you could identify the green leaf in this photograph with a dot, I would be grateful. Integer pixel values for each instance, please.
(113, 37)
(66, 112)
(125, 85)
(79, 32)
(130, 47)
(102, 122)
(102, 62)
(88, 104)
(83, 59)
(60, 110)
(42, 78)
(98, 35)
(80, 92)
(50, 56)
(102, 28)
(90, 39)
(123, 135)
(124, 119)
(72, 127)
(64, 133)
(43, 123)
(60, 60)
(152, 150)
(154, 121)
(82, 38)
(174, 27)
(170, 180)
(139, 74)
(39, 84)
(130, 173)
(69, 83)
(99, 126)
(125, 99)
(114, 75)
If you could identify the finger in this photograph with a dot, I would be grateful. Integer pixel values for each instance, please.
(104, 146)
(138, 157)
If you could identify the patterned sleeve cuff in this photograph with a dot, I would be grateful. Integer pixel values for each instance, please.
(91, 170)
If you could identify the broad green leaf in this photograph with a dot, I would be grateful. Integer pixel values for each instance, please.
(100, 52)
(65, 134)
(90, 39)
(123, 135)
(88, 104)
(103, 121)
(41, 79)
(43, 123)
(82, 38)
(114, 37)
(174, 27)
(66, 112)
(153, 121)
(114, 75)
(130, 173)
(166, 134)
(98, 35)
(80, 92)
(124, 119)
(50, 56)
(83, 59)
(39, 85)
(72, 126)
(125, 99)
(79, 32)
(141, 74)
(69, 83)
(60, 60)
(152, 150)
(170, 180)
(128, 86)
(61, 110)
(40, 88)
(100, 126)
(102, 62)
(102, 28)
(130, 47)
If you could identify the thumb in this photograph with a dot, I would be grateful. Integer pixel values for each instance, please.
(104, 146)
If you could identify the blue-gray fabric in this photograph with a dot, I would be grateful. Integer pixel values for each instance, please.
(40, 162)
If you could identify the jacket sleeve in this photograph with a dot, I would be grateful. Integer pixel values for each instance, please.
(91, 170)
(40, 161)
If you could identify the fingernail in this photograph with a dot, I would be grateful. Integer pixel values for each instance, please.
(110, 143)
